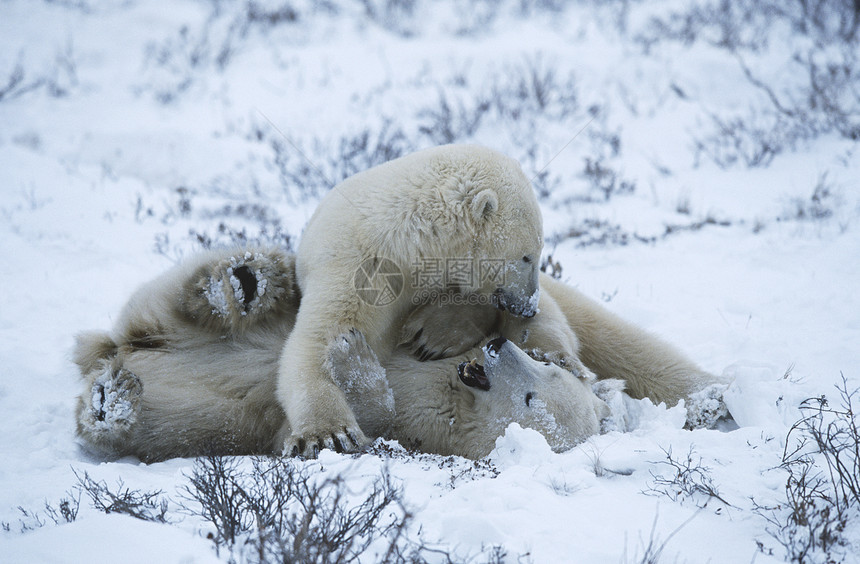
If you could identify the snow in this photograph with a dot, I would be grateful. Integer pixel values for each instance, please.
(128, 115)
(109, 536)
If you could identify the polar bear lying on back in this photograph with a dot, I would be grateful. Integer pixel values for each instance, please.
(191, 368)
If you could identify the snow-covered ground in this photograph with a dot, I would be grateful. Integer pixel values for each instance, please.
(141, 131)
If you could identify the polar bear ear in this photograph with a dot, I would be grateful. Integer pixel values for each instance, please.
(484, 204)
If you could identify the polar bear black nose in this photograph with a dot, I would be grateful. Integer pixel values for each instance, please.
(495, 345)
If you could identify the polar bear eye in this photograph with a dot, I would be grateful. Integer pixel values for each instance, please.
(529, 397)
(527, 260)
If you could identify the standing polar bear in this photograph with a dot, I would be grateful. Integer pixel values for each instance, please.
(458, 205)
(463, 221)
(191, 368)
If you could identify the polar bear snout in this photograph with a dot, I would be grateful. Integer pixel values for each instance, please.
(519, 292)
(493, 347)
(514, 303)
(506, 363)
(501, 351)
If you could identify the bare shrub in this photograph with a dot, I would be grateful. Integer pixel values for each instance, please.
(544, 182)
(604, 180)
(452, 120)
(224, 235)
(16, 85)
(396, 16)
(281, 511)
(594, 231)
(147, 506)
(532, 88)
(232, 227)
(822, 489)
(57, 81)
(523, 99)
(176, 62)
(731, 25)
(551, 267)
(306, 174)
(274, 509)
(752, 139)
(835, 18)
(673, 229)
(685, 478)
(823, 95)
(65, 511)
(819, 206)
(829, 98)
(529, 7)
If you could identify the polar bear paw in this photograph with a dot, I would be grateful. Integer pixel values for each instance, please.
(309, 443)
(113, 404)
(238, 285)
(569, 362)
(238, 289)
(356, 370)
(706, 407)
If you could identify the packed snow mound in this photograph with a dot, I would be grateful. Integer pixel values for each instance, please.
(520, 447)
(760, 395)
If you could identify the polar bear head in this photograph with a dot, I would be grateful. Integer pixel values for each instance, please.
(461, 220)
(513, 387)
(480, 215)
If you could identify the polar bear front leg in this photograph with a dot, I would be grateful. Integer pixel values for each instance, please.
(357, 371)
(318, 414)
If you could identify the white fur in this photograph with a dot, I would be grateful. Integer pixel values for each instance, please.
(177, 378)
(457, 201)
(614, 348)
(223, 351)
(579, 334)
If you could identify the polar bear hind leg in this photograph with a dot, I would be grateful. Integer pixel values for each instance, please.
(234, 290)
(109, 407)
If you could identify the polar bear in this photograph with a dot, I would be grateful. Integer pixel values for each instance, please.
(468, 209)
(191, 368)
(582, 336)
